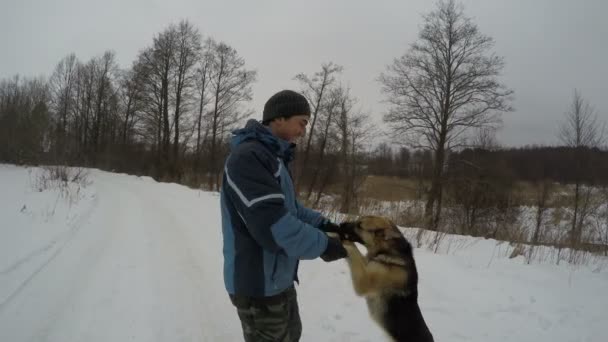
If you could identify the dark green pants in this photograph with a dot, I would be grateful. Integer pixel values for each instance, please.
(275, 318)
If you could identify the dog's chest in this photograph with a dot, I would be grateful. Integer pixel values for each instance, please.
(376, 305)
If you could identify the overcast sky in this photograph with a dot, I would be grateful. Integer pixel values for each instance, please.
(550, 46)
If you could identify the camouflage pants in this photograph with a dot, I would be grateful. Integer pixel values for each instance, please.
(271, 319)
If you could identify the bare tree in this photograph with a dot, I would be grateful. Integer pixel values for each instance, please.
(444, 85)
(381, 159)
(581, 127)
(580, 130)
(24, 119)
(602, 219)
(354, 130)
(421, 168)
(230, 85)
(485, 138)
(188, 41)
(542, 192)
(150, 82)
(85, 103)
(155, 67)
(316, 90)
(163, 54)
(323, 170)
(203, 75)
(106, 70)
(131, 98)
(62, 100)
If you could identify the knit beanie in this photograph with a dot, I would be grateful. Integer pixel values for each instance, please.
(285, 103)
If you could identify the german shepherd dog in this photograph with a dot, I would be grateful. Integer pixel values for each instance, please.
(386, 277)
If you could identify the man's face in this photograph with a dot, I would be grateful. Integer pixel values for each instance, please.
(291, 128)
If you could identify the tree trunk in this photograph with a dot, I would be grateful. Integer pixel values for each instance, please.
(321, 156)
(575, 234)
(165, 116)
(432, 210)
(213, 152)
(310, 135)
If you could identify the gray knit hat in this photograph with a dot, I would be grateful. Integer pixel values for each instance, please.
(285, 103)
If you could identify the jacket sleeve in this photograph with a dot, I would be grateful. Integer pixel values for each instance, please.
(260, 202)
(309, 216)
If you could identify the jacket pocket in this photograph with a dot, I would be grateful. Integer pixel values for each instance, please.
(281, 271)
(274, 268)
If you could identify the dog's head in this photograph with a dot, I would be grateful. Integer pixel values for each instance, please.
(371, 231)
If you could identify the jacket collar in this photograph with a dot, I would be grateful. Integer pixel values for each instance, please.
(254, 130)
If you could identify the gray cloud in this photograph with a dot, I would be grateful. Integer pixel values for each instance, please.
(550, 47)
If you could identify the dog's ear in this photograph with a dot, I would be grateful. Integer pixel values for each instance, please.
(392, 234)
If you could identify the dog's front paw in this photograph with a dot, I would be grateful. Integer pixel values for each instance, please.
(348, 245)
(333, 235)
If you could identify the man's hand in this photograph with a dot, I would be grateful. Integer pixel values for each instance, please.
(334, 250)
(332, 229)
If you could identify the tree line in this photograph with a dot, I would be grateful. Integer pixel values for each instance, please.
(170, 114)
(165, 114)
(528, 163)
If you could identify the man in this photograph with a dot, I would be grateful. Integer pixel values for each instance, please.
(266, 231)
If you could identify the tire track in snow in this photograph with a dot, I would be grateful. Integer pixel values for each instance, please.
(69, 234)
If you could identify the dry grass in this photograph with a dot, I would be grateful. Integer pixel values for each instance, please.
(390, 188)
(526, 193)
(386, 188)
(400, 189)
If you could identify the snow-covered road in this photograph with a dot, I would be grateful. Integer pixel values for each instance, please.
(135, 267)
(136, 260)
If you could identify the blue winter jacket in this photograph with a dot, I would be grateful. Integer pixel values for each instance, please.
(266, 231)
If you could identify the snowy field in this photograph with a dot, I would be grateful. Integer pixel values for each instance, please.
(128, 259)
